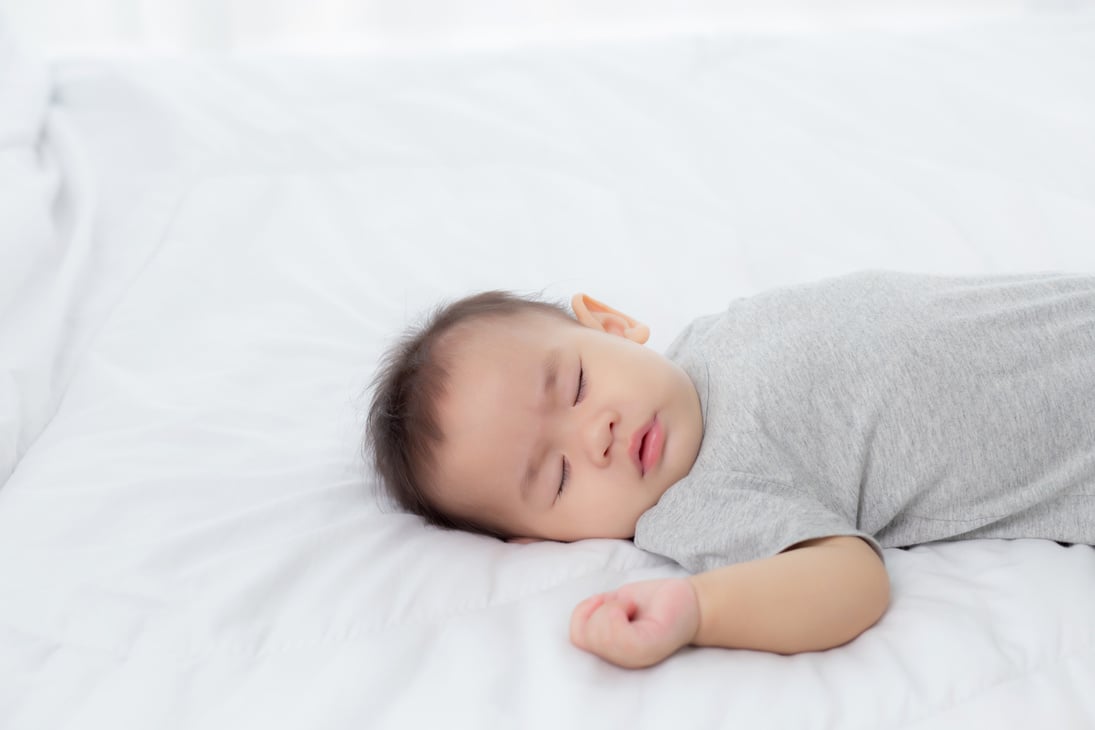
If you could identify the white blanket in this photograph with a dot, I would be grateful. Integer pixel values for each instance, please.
(190, 539)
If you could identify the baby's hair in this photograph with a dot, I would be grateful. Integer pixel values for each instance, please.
(402, 430)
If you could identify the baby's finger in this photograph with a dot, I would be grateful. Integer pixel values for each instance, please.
(580, 618)
(589, 605)
(608, 630)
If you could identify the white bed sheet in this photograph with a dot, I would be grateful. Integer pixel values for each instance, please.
(192, 542)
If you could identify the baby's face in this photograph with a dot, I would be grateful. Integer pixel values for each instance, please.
(533, 398)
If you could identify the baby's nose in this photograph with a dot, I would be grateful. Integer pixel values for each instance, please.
(601, 437)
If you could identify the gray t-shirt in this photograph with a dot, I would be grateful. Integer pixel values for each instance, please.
(900, 408)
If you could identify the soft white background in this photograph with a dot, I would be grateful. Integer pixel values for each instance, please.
(322, 26)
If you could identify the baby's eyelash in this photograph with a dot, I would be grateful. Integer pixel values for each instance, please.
(563, 480)
(577, 399)
(581, 384)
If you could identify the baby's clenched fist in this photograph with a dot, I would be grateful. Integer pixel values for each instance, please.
(638, 624)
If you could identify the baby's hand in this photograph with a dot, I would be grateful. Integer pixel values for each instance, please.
(639, 624)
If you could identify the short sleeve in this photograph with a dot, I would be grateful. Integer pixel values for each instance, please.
(733, 518)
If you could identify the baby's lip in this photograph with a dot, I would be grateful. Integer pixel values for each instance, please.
(636, 442)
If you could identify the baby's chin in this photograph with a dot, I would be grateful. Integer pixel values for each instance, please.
(594, 534)
(615, 529)
(614, 532)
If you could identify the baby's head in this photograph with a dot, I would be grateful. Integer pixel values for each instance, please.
(508, 416)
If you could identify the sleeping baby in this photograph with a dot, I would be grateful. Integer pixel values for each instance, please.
(773, 451)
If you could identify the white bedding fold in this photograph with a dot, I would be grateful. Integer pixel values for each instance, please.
(28, 246)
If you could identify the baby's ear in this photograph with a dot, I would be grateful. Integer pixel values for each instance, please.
(600, 316)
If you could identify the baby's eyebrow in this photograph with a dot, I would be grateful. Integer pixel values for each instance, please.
(551, 374)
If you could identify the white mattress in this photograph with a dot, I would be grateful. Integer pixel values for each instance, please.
(188, 537)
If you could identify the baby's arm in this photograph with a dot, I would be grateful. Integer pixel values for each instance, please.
(816, 595)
